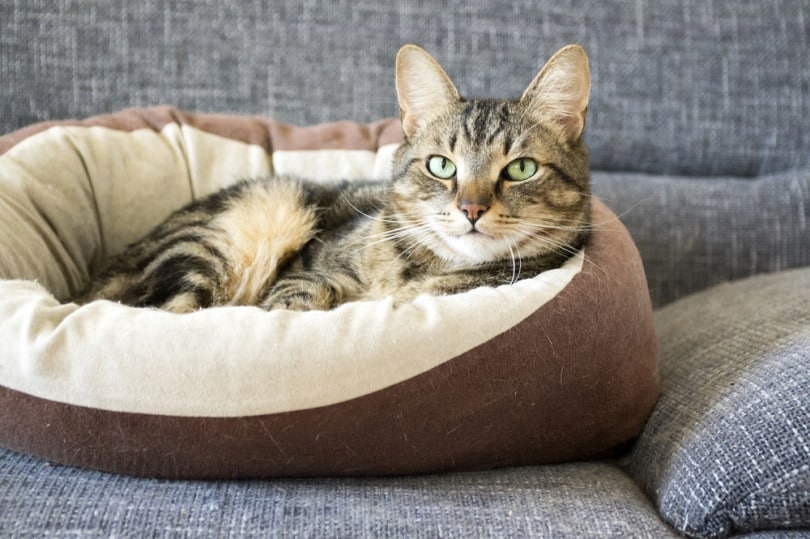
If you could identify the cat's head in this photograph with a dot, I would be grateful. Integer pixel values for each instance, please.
(484, 180)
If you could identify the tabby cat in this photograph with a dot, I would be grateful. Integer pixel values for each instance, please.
(484, 192)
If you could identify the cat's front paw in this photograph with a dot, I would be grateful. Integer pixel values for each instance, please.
(290, 303)
(299, 297)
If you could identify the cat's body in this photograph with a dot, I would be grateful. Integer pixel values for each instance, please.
(484, 192)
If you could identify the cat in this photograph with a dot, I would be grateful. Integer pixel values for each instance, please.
(484, 192)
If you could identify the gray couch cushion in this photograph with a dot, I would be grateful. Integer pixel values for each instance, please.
(575, 500)
(679, 86)
(728, 446)
(696, 232)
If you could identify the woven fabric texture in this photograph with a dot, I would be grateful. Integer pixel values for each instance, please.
(696, 232)
(689, 87)
(728, 447)
(37, 499)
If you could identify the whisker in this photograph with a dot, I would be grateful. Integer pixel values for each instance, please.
(369, 216)
(561, 246)
(555, 243)
(515, 272)
(395, 231)
(553, 223)
(390, 235)
(411, 247)
(546, 224)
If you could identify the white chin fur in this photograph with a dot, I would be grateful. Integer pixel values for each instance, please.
(472, 248)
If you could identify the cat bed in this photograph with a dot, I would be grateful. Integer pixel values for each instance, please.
(558, 367)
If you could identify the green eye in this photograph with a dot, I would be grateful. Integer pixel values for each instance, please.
(441, 167)
(520, 169)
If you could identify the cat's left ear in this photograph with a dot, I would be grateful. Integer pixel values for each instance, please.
(559, 93)
(423, 88)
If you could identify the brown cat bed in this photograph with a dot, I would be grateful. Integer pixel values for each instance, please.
(558, 367)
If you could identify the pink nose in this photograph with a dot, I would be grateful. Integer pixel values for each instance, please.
(473, 210)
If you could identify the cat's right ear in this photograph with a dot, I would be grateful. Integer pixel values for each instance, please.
(423, 88)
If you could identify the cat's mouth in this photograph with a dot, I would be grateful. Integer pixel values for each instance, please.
(470, 243)
(476, 246)
(474, 235)
(478, 230)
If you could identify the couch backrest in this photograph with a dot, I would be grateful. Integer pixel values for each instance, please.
(688, 87)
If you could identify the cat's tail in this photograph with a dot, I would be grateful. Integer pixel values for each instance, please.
(226, 249)
(261, 230)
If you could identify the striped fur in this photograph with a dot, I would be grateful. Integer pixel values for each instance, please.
(282, 242)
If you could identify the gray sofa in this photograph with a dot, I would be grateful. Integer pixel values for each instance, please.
(699, 131)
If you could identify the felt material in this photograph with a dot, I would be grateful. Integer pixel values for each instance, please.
(727, 449)
(566, 370)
